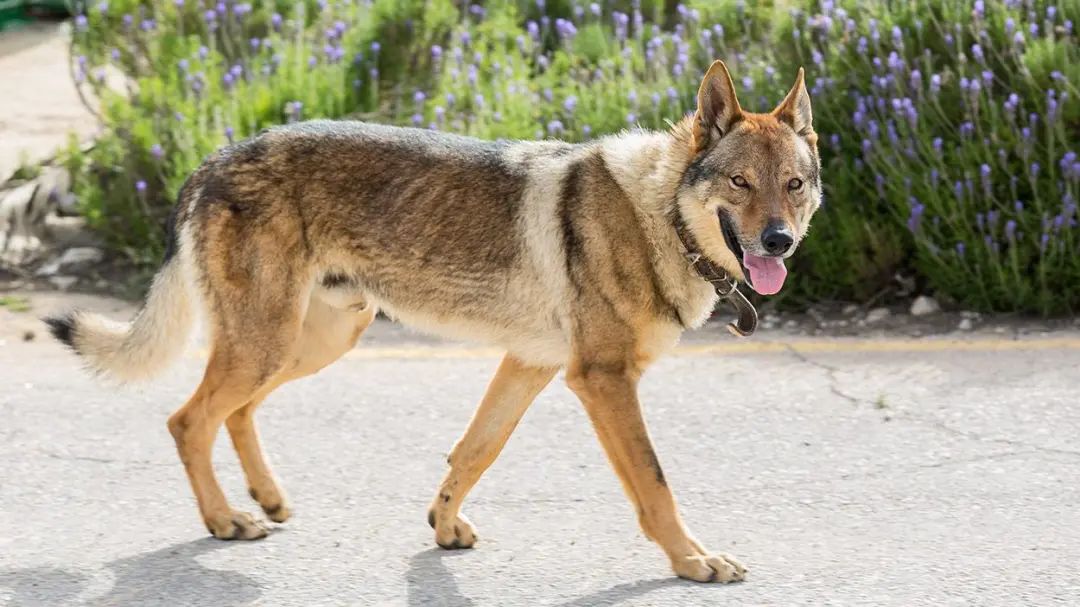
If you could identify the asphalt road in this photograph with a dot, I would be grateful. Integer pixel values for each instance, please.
(842, 472)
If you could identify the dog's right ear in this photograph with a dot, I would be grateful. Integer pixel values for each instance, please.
(717, 107)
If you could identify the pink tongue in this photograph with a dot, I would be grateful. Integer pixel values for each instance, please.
(767, 274)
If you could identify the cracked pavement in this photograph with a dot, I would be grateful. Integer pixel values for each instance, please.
(876, 471)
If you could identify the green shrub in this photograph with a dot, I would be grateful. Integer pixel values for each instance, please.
(956, 125)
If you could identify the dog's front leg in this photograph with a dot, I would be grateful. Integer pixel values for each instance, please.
(510, 393)
(609, 393)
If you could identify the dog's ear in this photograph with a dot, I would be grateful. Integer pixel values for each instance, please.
(795, 110)
(717, 107)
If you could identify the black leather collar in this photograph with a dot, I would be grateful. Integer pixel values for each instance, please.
(725, 285)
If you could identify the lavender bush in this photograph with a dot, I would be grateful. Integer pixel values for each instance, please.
(947, 129)
(957, 123)
(178, 79)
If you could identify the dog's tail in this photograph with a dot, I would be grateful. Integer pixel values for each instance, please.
(131, 351)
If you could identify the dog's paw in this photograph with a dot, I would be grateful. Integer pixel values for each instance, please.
(454, 533)
(719, 567)
(237, 526)
(275, 505)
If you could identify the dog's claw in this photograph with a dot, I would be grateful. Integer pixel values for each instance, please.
(455, 535)
(238, 526)
(722, 568)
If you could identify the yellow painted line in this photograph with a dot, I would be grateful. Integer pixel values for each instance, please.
(809, 346)
(882, 345)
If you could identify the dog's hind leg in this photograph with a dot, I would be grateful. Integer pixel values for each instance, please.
(510, 393)
(327, 334)
(255, 333)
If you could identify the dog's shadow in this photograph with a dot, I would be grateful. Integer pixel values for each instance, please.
(169, 576)
(429, 582)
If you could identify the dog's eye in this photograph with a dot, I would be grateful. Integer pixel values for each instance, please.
(795, 184)
(739, 182)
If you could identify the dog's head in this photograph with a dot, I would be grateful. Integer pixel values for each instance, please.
(752, 182)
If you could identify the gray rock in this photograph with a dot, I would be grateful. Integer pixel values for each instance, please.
(877, 315)
(924, 305)
(81, 256)
(63, 282)
(850, 310)
(73, 259)
(965, 324)
(66, 231)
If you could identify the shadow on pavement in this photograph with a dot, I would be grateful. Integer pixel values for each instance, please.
(429, 582)
(170, 576)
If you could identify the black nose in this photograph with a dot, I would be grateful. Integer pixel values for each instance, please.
(777, 239)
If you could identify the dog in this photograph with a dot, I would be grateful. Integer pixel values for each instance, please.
(591, 257)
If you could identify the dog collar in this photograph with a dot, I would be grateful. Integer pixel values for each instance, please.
(727, 288)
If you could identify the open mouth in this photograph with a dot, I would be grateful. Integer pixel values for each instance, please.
(765, 275)
(732, 242)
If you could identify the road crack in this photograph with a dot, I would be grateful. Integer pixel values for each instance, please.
(830, 372)
(834, 386)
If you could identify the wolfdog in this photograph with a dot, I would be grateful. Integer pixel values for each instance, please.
(589, 257)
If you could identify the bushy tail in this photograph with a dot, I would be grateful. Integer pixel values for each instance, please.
(130, 351)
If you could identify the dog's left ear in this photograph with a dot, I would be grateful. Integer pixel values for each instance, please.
(795, 110)
(717, 107)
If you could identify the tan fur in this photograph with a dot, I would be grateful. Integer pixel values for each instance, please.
(564, 255)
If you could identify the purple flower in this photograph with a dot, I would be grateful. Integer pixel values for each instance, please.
(417, 119)
(935, 83)
(156, 151)
(1010, 26)
(1018, 38)
(80, 23)
(915, 218)
(375, 47)
(440, 113)
(229, 132)
(960, 249)
(565, 29)
(275, 21)
(140, 187)
(977, 53)
(1035, 170)
(570, 104)
(436, 52)
(1010, 230)
(631, 118)
(555, 127)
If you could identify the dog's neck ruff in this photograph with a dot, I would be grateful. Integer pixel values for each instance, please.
(725, 285)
